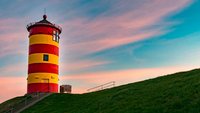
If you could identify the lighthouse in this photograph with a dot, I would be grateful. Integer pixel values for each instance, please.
(43, 56)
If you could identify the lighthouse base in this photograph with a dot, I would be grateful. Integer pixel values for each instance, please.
(42, 87)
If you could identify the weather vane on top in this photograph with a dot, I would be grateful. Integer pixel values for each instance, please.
(44, 11)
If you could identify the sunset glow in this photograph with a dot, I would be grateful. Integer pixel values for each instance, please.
(107, 40)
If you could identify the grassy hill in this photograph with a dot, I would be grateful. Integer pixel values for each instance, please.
(176, 93)
(11, 102)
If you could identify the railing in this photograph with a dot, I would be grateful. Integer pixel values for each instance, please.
(33, 23)
(27, 101)
(102, 87)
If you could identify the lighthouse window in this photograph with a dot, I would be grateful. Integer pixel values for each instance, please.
(45, 57)
(55, 36)
(57, 39)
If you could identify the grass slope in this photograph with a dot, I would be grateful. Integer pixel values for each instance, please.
(11, 102)
(176, 93)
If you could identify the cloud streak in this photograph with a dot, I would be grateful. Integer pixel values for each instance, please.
(81, 65)
(13, 38)
(120, 25)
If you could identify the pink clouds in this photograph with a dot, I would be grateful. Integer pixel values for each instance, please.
(81, 64)
(12, 87)
(18, 69)
(12, 37)
(106, 32)
(105, 43)
(12, 43)
(7, 24)
(12, 84)
(85, 36)
(120, 76)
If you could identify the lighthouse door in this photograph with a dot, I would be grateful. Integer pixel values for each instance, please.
(46, 85)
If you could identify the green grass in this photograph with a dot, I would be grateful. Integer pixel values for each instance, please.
(176, 93)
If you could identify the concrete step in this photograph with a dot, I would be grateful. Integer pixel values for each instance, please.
(28, 102)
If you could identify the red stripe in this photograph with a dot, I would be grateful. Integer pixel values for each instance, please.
(41, 30)
(42, 67)
(43, 48)
(42, 87)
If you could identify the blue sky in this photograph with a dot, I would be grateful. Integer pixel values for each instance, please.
(108, 40)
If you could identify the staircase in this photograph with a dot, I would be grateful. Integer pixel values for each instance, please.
(30, 100)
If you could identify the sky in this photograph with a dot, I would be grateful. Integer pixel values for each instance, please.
(102, 40)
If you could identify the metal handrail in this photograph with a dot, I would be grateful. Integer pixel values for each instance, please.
(103, 86)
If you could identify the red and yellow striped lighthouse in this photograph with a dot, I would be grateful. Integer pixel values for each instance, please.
(43, 59)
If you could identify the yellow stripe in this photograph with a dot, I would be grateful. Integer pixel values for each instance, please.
(42, 78)
(38, 58)
(42, 39)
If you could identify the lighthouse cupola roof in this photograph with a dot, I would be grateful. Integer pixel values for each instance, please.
(44, 22)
